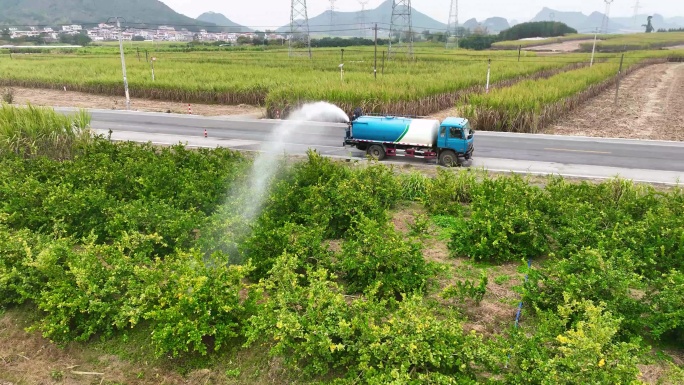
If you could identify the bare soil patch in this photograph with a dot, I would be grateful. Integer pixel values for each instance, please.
(497, 310)
(650, 106)
(56, 98)
(28, 359)
(405, 218)
(566, 46)
(661, 373)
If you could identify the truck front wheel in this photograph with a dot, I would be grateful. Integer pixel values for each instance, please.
(448, 159)
(376, 151)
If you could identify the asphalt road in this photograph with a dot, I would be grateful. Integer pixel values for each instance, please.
(647, 161)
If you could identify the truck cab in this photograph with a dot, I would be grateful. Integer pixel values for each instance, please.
(455, 138)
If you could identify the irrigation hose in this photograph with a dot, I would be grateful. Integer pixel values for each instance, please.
(519, 312)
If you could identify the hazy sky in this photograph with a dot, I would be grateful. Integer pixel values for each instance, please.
(265, 13)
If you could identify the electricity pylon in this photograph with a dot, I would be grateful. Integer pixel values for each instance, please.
(452, 25)
(299, 28)
(401, 24)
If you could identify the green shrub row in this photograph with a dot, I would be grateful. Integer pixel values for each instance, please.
(128, 236)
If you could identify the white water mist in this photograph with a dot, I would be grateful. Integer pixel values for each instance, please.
(266, 164)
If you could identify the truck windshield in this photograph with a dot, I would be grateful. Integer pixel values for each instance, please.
(466, 130)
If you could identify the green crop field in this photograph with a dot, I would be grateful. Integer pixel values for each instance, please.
(515, 44)
(638, 41)
(436, 80)
(431, 83)
(135, 261)
(606, 43)
(531, 105)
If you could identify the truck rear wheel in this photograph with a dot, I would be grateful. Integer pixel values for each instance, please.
(376, 151)
(448, 159)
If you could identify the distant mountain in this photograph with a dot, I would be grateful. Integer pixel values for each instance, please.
(471, 24)
(349, 23)
(594, 22)
(222, 21)
(496, 24)
(572, 19)
(659, 21)
(493, 25)
(56, 12)
(587, 24)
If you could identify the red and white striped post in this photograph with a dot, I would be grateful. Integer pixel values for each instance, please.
(189, 109)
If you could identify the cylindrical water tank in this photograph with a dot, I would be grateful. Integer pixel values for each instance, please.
(418, 132)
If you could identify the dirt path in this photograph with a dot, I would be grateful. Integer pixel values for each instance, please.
(55, 98)
(651, 106)
(566, 46)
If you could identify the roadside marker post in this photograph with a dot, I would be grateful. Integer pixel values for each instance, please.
(593, 50)
(152, 65)
(489, 69)
(619, 75)
(189, 109)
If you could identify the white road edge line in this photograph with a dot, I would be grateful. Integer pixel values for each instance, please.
(672, 180)
(577, 138)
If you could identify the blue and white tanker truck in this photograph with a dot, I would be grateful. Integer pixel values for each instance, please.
(382, 136)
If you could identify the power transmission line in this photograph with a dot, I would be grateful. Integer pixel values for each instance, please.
(636, 14)
(332, 14)
(361, 16)
(401, 24)
(606, 16)
(452, 24)
(299, 27)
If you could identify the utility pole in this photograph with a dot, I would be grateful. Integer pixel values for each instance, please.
(375, 66)
(619, 75)
(593, 50)
(152, 65)
(123, 61)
